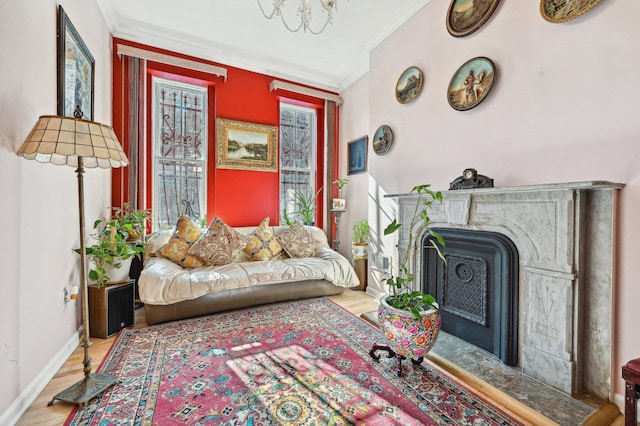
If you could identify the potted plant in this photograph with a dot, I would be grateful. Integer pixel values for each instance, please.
(112, 252)
(408, 318)
(134, 222)
(306, 206)
(360, 242)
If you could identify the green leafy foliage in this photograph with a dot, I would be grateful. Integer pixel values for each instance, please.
(403, 296)
(361, 232)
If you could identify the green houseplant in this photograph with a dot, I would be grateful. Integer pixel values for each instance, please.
(409, 319)
(360, 242)
(131, 221)
(403, 296)
(114, 248)
(306, 206)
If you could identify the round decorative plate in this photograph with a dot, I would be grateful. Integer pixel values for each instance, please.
(382, 140)
(463, 18)
(562, 11)
(471, 83)
(409, 85)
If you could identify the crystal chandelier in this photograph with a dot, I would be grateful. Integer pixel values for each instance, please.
(304, 14)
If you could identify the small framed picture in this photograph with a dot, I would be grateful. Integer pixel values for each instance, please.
(76, 71)
(338, 204)
(246, 146)
(357, 155)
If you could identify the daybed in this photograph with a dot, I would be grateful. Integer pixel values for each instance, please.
(171, 292)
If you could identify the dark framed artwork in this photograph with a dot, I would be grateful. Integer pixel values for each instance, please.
(467, 16)
(357, 155)
(558, 11)
(246, 146)
(409, 85)
(382, 140)
(76, 71)
(471, 83)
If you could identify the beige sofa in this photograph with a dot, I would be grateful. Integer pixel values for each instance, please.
(171, 292)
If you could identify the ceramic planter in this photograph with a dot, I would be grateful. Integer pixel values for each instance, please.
(406, 335)
(360, 251)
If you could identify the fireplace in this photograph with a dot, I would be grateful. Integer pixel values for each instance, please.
(563, 235)
(477, 288)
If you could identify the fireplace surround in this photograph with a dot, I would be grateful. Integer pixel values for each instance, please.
(564, 234)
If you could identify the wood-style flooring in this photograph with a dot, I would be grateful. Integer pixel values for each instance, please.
(357, 302)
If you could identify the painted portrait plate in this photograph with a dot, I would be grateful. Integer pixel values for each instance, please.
(382, 140)
(558, 11)
(471, 83)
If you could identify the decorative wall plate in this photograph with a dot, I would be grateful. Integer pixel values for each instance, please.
(471, 83)
(557, 11)
(467, 16)
(382, 140)
(409, 85)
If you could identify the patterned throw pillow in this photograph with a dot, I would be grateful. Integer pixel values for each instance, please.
(177, 248)
(220, 245)
(297, 241)
(262, 244)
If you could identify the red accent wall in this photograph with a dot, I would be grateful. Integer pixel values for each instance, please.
(239, 197)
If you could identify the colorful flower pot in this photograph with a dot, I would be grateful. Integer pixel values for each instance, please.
(405, 334)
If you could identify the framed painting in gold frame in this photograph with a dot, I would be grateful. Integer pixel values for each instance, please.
(246, 146)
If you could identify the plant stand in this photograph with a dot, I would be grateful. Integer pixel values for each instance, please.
(392, 354)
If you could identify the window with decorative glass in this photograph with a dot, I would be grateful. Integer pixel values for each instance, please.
(179, 117)
(297, 163)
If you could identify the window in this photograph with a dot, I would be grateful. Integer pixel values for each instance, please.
(179, 117)
(297, 159)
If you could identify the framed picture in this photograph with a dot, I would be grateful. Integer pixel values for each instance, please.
(76, 71)
(471, 83)
(557, 11)
(382, 140)
(246, 146)
(409, 85)
(467, 16)
(338, 204)
(357, 155)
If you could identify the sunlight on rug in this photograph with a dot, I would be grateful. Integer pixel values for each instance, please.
(299, 363)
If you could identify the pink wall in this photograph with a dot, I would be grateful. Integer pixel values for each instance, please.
(563, 108)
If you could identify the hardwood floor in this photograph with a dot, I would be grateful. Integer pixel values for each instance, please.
(356, 302)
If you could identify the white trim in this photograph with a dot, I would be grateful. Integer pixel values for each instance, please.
(295, 88)
(171, 60)
(20, 405)
(619, 400)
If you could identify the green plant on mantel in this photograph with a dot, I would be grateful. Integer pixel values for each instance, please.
(402, 294)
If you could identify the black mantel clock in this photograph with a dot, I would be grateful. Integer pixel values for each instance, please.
(471, 179)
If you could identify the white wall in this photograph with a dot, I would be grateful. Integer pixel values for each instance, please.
(39, 201)
(564, 108)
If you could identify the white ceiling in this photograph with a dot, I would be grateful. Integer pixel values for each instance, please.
(235, 33)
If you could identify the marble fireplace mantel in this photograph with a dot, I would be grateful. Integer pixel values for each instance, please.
(564, 234)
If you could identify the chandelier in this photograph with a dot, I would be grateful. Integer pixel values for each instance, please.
(304, 14)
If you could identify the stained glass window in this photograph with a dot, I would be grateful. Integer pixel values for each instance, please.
(297, 158)
(179, 151)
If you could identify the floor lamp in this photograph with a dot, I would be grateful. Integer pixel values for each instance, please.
(77, 143)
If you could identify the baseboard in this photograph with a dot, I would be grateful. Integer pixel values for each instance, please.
(374, 293)
(37, 385)
(618, 399)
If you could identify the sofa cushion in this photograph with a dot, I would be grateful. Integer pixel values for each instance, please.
(220, 244)
(262, 243)
(297, 241)
(177, 248)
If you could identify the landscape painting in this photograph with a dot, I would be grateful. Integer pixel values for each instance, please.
(471, 83)
(557, 11)
(467, 16)
(409, 85)
(246, 146)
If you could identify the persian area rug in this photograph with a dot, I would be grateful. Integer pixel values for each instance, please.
(299, 363)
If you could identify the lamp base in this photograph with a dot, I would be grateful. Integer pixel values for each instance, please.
(86, 389)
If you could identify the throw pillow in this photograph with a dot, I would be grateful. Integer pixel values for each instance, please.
(220, 245)
(297, 241)
(262, 244)
(176, 249)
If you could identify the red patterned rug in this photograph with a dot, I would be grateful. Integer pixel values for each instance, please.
(299, 363)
